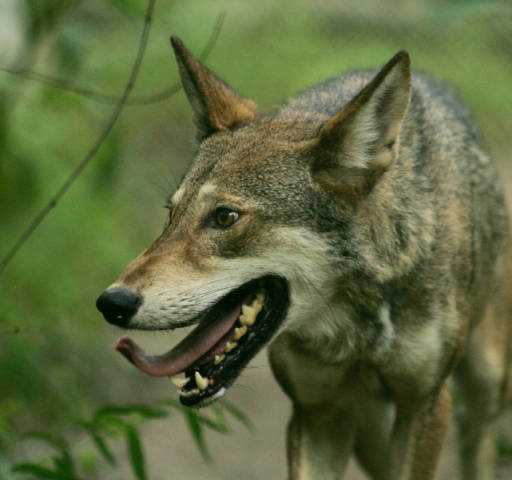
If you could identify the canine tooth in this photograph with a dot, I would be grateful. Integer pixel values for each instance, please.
(202, 382)
(249, 314)
(229, 346)
(240, 332)
(179, 382)
(218, 359)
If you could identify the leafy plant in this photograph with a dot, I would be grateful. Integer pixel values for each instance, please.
(115, 421)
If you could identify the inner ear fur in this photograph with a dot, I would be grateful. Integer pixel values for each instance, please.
(214, 103)
(355, 146)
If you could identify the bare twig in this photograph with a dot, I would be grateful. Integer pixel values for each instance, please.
(96, 146)
(102, 97)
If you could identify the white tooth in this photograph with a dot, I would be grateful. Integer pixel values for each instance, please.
(202, 383)
(194, 391)
(240, 332)
(179, 382)
(218, 359)
(229, 346)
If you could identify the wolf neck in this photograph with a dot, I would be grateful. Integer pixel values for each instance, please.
(375, 256)
(393, 228)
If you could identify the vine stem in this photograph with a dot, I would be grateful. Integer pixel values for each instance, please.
(95, 147)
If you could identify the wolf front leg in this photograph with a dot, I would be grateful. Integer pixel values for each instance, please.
(418, 437)
(320, 442)
(482, 379)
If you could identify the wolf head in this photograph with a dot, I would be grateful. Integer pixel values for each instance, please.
(258, 231)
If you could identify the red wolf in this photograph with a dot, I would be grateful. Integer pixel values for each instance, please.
(361, 232)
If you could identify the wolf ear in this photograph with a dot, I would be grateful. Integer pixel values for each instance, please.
(215, 105)
(355, 146)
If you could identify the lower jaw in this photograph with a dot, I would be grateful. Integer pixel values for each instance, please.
(203, 399)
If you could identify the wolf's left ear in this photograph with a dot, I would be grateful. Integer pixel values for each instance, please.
(355, 146)
(215, 105)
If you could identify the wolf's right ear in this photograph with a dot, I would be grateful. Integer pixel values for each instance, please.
(214, 103)
(358, 144)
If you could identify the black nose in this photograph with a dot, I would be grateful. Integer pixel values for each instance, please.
(118, 305)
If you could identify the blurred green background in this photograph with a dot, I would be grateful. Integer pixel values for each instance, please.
(56, 355)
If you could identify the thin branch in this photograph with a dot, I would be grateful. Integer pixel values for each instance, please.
(101, 97)
(96, 146)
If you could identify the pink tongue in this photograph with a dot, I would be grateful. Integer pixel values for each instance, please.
(190, 349)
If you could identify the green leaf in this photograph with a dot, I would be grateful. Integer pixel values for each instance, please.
(238, 414)
(56, 441)
(196, 420)
(64, 464)
(218, 411)
(98, 441)
(135, 452)
(219, 427)
(41, 472)
(143, 410)
(103, 448)
(197, 433)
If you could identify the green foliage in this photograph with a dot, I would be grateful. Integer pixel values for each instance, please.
(197, 421)
(114, 421)
(63, 465)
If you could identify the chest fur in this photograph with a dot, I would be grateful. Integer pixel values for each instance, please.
(383, 356)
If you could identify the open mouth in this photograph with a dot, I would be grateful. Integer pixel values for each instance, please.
(206, 362)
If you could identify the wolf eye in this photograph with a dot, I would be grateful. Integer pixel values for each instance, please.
(224, 217)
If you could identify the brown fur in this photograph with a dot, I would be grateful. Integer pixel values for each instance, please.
(223, 107)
